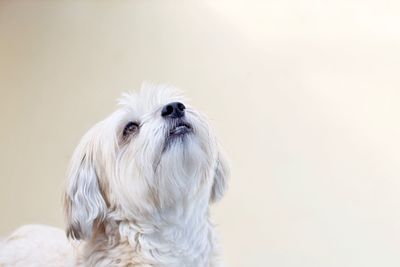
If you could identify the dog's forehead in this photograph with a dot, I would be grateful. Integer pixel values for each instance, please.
(149, 99)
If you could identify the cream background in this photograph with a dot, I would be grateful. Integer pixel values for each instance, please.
(304, 95)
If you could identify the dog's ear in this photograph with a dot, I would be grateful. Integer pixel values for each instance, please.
(221, 177)
(85, 205)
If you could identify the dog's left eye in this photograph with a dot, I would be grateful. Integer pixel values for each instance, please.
(130, 128)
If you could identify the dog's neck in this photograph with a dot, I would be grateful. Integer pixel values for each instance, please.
(179, 236)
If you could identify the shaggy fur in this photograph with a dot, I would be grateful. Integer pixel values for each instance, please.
(135, 196)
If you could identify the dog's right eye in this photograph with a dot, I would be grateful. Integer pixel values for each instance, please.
(130, 128)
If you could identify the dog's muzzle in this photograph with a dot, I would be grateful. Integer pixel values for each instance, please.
(174, 113)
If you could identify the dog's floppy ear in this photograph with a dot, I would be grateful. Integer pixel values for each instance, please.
(221, 177)
(85, 205)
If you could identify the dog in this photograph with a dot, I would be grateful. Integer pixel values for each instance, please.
(138, 193)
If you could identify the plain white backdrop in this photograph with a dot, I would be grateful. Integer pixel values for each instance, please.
(304, 96)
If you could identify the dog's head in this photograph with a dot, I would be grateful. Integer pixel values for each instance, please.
(151, 155)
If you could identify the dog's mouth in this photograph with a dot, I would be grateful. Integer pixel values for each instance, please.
(178, 133)
(180, 128)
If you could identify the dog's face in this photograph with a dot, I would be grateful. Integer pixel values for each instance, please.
(152, 155)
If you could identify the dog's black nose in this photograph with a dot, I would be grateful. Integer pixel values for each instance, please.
(173, 110)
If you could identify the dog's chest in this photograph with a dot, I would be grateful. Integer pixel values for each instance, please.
(168, 249)
(174, 248)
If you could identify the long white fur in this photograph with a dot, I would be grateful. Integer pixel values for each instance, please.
(134, 202)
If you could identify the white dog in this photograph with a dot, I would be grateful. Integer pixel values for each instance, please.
(138, 192)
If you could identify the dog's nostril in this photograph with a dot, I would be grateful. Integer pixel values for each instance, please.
(167, 110)
(173, 110)
(181, 106)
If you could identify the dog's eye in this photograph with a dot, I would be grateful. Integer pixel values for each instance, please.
(130, 128)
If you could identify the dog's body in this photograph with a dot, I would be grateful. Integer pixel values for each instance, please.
(138, 193)
(36, 245)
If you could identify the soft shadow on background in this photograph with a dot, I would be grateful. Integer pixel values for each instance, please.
(304, 96)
